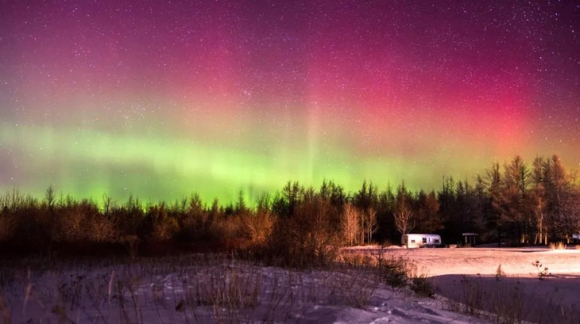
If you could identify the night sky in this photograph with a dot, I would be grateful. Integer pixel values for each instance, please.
(163, 98)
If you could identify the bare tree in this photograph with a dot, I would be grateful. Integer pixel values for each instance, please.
(370, 228)
(50, 198)
(403, 218)
(539, 205)
(403, 215)
(107, 204)
(350, 223)
(365, 200)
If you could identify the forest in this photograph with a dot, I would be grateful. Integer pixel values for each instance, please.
(513, 204)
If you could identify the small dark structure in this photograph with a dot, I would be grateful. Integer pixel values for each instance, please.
(469, 239)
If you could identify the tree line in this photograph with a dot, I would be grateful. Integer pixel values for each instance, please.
(515, 203)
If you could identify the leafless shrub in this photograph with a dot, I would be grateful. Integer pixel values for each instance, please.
(542, 271)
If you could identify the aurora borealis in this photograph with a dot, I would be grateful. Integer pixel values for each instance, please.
(160, 99)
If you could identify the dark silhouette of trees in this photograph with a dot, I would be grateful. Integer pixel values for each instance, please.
(387, 231)
(448, 210)
(513, 203)
(496, 214)
(428, 219)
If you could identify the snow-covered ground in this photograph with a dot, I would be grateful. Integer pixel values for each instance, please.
(543, 284)
(483, 261)
(205, 289)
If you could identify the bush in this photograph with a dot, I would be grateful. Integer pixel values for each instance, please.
(394, 272)
(305, 238)
(79, 222)
(420, 283)
(258, 227)
(423, 286)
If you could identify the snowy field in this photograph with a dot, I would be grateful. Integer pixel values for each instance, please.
(542, 284)
(210, 289)
(484, 261)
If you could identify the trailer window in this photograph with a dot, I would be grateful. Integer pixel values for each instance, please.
(412, 241)
(437, 241)
(424, 240)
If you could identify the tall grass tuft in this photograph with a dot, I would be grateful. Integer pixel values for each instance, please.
(558, 246)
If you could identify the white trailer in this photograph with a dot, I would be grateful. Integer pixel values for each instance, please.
(421, 240)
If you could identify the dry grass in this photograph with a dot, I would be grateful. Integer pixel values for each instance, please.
(504, 304)
(505, 301)
(398, 273)
(221, 288)
(558, 246)
(199, 289)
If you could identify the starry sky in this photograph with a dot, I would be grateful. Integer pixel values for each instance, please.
(161, 99)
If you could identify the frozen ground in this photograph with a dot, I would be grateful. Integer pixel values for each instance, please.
(202, 289)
